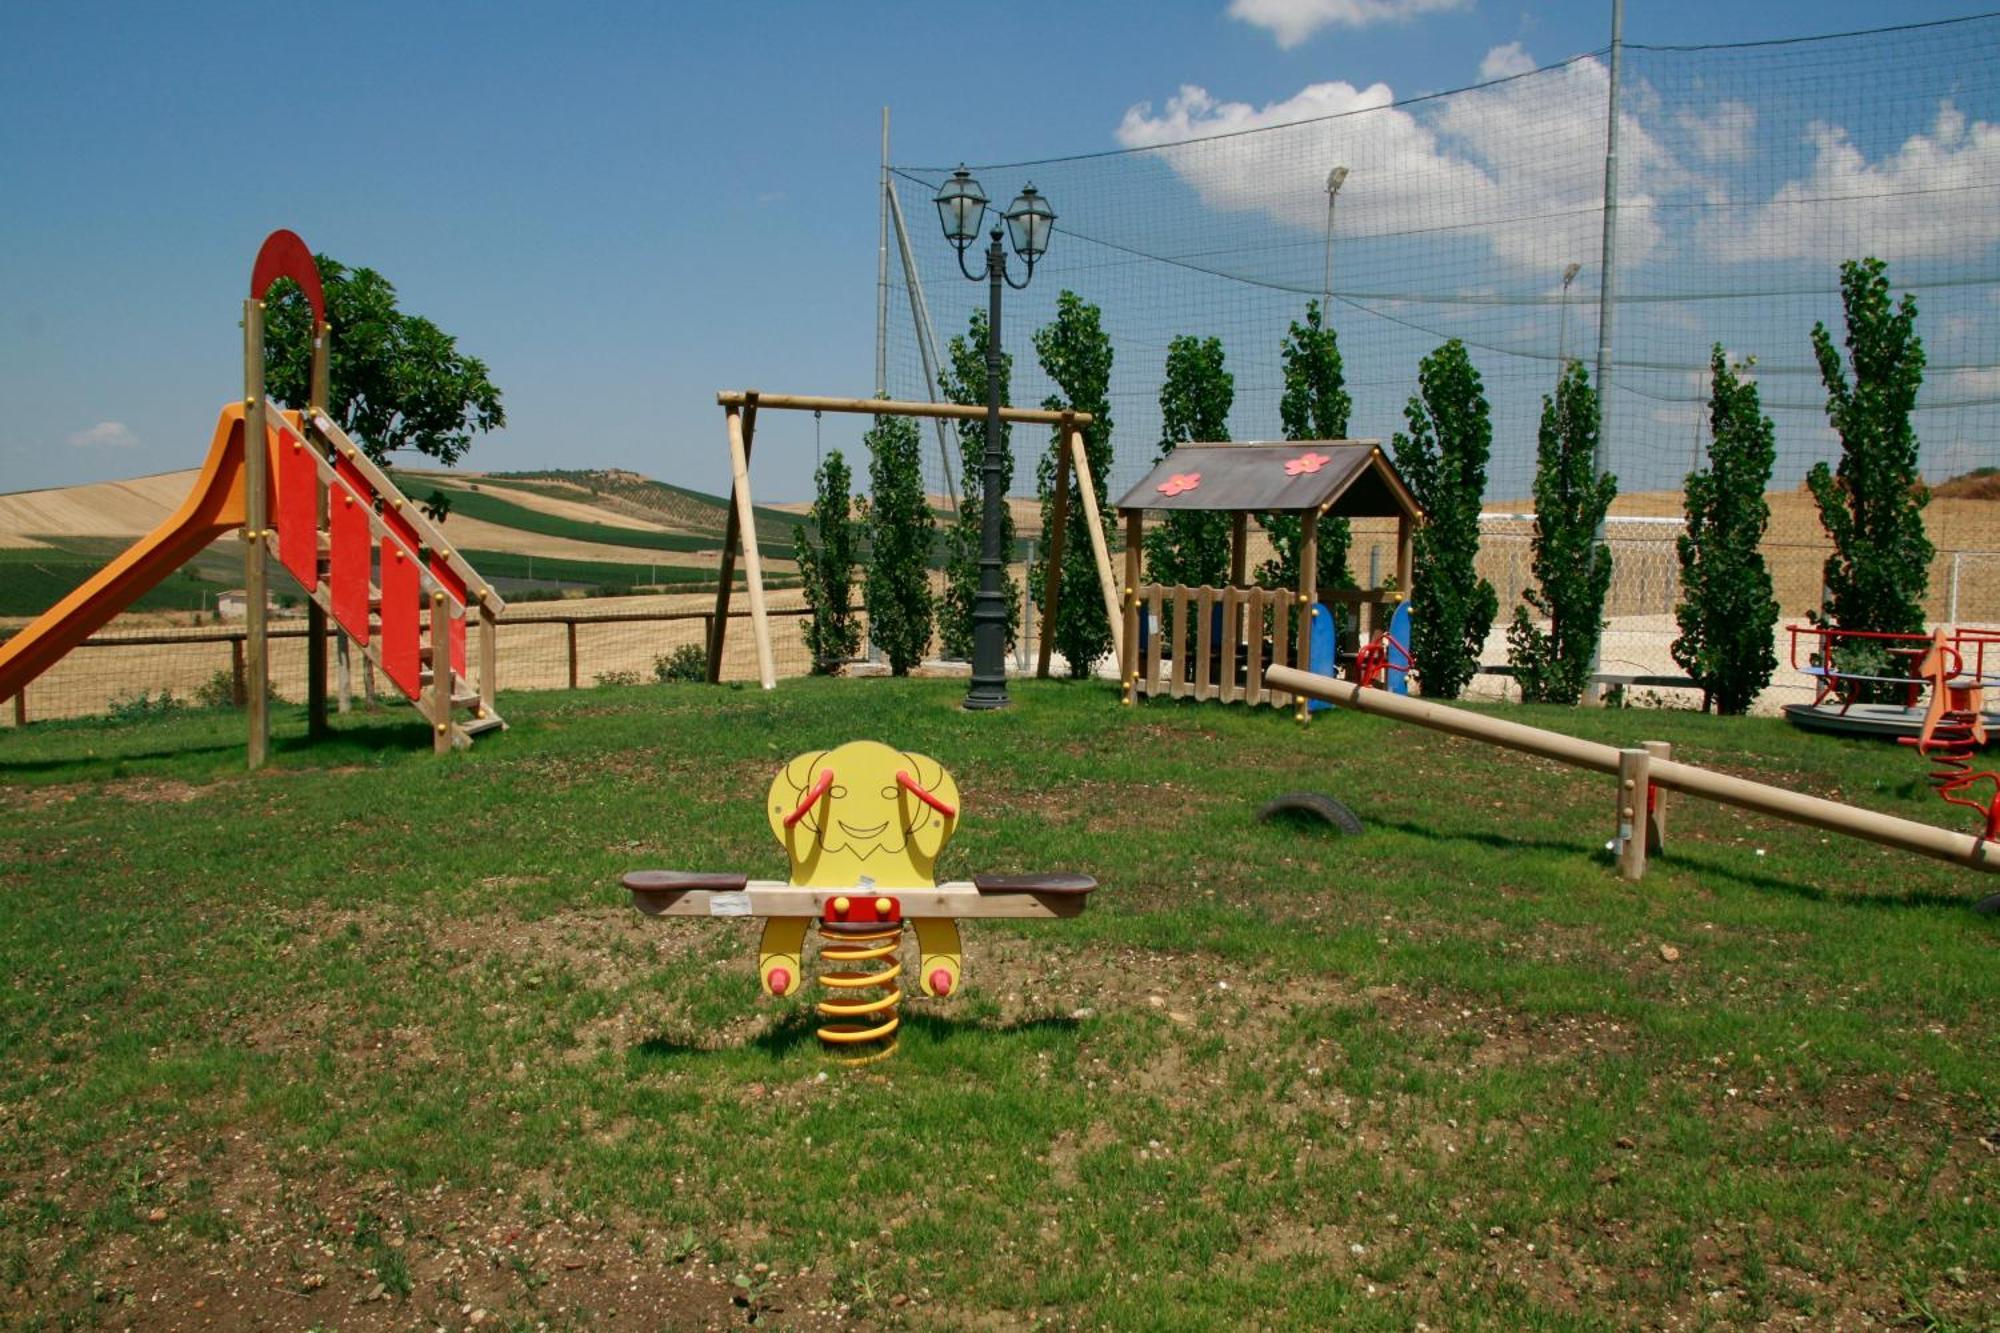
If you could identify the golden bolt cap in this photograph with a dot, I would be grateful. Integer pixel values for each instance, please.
(882, 906)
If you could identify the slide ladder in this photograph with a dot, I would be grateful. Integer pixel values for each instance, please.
(384, 573)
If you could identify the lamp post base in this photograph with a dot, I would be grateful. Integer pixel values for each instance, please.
(985, 695)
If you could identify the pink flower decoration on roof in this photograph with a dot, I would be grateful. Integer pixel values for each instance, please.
(1306, 463)
(1179, 483)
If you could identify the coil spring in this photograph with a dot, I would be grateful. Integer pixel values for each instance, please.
(1950, 749)
(861, 1015)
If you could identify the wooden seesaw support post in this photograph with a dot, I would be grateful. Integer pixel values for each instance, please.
(740, 528)
(1661, 773)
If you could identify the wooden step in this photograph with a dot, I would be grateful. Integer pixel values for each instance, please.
(479, 726)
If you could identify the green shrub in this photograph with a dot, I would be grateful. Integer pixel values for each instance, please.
(687, 662)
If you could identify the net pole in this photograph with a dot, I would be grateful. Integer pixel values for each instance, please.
(1607, 301)
(882, 272)
(920, 317)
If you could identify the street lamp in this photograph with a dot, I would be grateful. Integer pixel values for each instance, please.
(1562, 325)
(1334, 180)
(961, 207)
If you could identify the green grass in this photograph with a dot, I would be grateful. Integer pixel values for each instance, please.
(33, 579)
(696, 509)
(490, 508)
(386, 1020)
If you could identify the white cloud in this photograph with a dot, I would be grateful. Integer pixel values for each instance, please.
(1292, 21)
(1920, 201)
(1510, 163)
(105, 435)
(1724, 134)
(1504, 62)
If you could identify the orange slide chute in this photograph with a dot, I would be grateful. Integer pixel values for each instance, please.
(214, 507)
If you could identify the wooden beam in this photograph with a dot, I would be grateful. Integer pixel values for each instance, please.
(892, 407)
(1239, 548)
(256, 518)
(1052, 563)
(746, 532)
(1656, 802)
(775, 898)
(1308, 588)
(1086, 489)
(1635, 770)
(1128, 649)
(726, 584)
(1781, 803)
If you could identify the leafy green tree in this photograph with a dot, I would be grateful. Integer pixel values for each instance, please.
(1075, 352)
(832, 633)
(1192, 546)
(1571, 565)
(396, 381)
(964, 381)
(1872, 507)
(1727, 612)
(1443, 459)
(1314, 406)
(900, 528)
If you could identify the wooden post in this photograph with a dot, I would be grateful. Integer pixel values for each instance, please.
(746, 533)
(1656, 802)
(21, 707)
(343, 672)
(1053, 562)
(256, 518)
(1406, 543)
(1204, 644)
(1086, 489)
(719, 628)
(570, 627)
(316, 623)
(1128, 649)
(368, 694)
(1239, 548)
(237, 694)
(1253, 671)
(489, 657)
(440, 700)
(1635, 771)
(1308, 595)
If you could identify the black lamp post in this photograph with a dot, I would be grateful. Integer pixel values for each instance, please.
(961, 206)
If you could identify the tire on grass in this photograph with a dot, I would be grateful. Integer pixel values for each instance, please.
(1299, 806)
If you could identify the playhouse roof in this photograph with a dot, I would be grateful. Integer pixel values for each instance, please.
(1348, 478)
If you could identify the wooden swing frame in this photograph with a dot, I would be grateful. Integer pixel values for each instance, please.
(739, 410)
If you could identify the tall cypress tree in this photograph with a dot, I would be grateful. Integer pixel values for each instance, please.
(1192, 546)
(1572, 567)
(1727, 612)
(963, 380)
(832, 634)
(1443, 459)
(1314, 406)
(1075, 352)
(1873, 506)
(900, 525)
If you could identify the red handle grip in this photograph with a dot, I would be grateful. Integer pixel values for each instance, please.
(910, 783)
(819, 789)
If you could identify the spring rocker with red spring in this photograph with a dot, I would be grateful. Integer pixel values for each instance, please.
(1954, 732)
(862, 826)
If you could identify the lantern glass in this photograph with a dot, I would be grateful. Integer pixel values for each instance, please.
(961, 207)
(1029, 222)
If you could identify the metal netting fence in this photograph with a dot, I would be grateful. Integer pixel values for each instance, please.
(1748, 173)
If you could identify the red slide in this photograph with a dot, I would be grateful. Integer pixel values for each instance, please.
(214, 507)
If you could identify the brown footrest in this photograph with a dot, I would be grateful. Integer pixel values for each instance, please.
(1049, 884)
(678, 881)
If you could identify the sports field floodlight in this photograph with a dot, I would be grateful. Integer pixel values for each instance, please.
(1029, 222)
(961, 207)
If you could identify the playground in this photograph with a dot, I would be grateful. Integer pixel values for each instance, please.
(428, 1062)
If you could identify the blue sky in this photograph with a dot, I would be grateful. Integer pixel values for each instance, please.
(621, 208)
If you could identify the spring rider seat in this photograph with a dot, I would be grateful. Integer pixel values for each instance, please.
(862, 827)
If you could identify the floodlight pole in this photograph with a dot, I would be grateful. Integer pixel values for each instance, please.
(1562, 325)
(1334, 180)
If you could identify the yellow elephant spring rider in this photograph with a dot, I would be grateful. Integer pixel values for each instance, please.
(863, 826)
